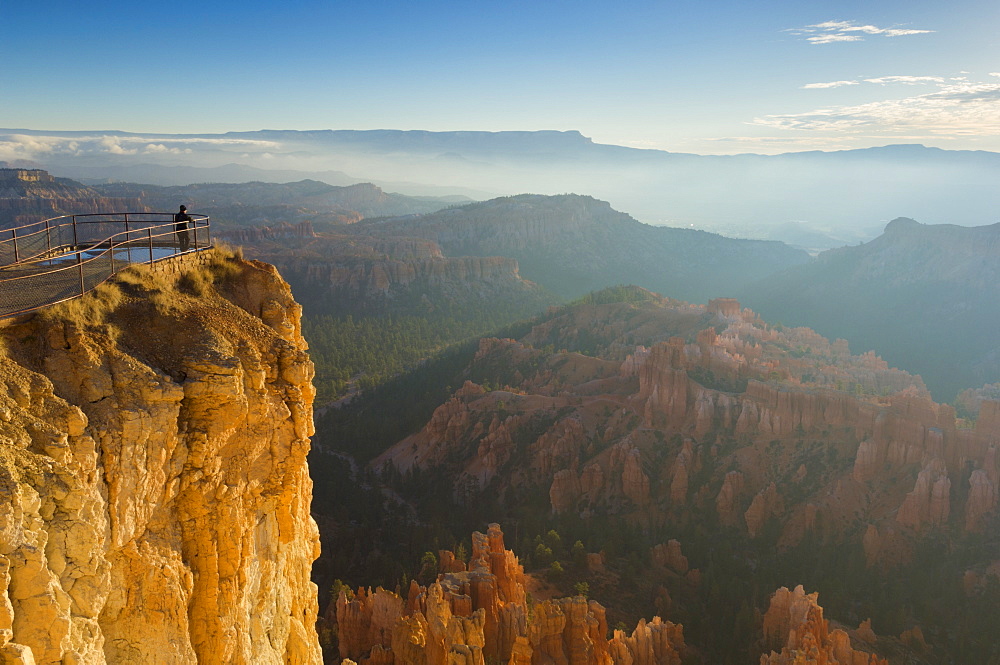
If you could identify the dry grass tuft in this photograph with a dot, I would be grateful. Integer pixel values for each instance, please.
(166, 291)
(91, 309)
(226, 262)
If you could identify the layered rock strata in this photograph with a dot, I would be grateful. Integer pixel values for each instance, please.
(153, 463)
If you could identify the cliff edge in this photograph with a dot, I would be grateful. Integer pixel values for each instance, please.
(153, 441)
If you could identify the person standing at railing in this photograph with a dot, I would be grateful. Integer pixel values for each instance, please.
(181, 220)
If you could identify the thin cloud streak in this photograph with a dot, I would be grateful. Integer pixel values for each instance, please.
(883, 80)
(832, 39)
(831, 32)
(906, 80)
(831, 84)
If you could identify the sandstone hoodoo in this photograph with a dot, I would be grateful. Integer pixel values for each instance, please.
(154, 441)
(791, 397)
(482, 615)
(658, 422)
(796, 630)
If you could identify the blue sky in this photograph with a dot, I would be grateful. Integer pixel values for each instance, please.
(707, 77)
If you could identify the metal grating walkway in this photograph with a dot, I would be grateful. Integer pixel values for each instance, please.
(48, 262)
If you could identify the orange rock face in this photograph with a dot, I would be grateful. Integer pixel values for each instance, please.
(481, 615)
(929, 501)
(670, 556)
(797, 633)
(655, 643)
(156, 493)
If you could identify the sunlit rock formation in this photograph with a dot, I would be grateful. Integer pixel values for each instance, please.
(796, 632)
(153, 462)
(482, 615)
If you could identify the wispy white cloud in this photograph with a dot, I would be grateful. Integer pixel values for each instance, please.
(884, 80)
(159, 148)
(831, 84)
(830, 32)
(832, 38)
(29, 147)
(959, 108)
(906, 80)
(113, 145)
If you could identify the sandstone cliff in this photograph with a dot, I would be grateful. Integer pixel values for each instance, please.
(153, 442)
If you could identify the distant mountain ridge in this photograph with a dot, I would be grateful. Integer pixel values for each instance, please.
(304, 199)
(924, 297)
(31, 196)
(573, 244)
(838, 197)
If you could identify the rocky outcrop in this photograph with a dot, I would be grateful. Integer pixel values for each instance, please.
(481, 615)
(154, 458)
(727, 502)
(564, 491)
(728, 308)
(764, 506)
(982, 500)
(248, 235)
(635, 482)
(796, 633)
(670, 556)
(928, 503)
(656, 642)
(28, 196)
(571, 631)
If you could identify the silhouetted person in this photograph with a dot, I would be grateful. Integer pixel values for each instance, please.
(181, 220)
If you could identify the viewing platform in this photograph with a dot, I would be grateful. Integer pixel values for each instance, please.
(58, 259)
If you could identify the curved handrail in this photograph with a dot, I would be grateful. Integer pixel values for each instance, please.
(55, 260)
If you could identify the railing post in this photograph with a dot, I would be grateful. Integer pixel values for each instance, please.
(76, 240)
(194, 223)
(149, 233)
(16, 256)
(79, 265)
(48, 238)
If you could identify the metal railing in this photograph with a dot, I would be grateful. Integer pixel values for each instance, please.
(58, 259)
